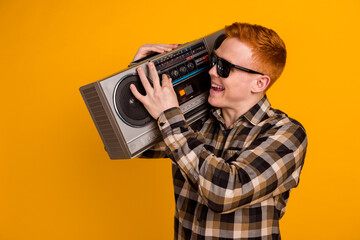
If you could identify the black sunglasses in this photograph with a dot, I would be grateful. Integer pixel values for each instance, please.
(223, 67)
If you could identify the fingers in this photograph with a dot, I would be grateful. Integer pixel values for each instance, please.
(163, 47)
(154, 76)
(171, 86)
(159, 48)
(159, 98)
(136, 93)
(154, 48)
(149, 48)
(170, 81)
(166, 81)
(145, 82)
(146, 50)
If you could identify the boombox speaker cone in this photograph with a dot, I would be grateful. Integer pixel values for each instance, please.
(131, 110)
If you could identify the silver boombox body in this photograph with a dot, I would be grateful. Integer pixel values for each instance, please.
(124, 125)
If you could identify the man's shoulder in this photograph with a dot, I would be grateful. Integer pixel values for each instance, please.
(278, 119)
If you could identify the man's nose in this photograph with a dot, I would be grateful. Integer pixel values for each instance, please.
(213, 72)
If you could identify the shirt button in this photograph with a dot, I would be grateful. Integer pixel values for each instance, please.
(162, 124)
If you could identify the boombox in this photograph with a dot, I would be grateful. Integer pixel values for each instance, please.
(124, 125)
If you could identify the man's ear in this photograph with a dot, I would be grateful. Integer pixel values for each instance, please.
(260, 84)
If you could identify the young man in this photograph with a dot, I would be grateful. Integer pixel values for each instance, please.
(232, 176)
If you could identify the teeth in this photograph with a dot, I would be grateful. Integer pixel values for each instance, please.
(216, 86)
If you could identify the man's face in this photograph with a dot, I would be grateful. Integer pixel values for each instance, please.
(235, 90)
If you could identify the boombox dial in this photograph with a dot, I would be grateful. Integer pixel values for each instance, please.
(182, 69)
(190, 66)
(174, 73)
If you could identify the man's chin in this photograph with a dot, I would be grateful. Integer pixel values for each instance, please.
(213, 102)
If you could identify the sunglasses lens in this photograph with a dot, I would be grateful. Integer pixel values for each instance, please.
(222, 66)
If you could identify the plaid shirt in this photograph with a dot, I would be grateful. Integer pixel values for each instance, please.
(232, 183)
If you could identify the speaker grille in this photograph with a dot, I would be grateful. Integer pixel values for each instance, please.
(101, 120)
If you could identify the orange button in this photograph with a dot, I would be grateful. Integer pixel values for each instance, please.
(182, 92)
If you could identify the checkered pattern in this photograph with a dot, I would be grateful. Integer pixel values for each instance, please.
(232, 183)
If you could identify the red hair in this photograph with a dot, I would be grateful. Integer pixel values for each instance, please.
(269, 52)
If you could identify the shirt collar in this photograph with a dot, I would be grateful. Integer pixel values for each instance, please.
(258, 111)
(254, 115)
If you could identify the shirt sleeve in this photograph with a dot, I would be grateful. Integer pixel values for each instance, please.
(159, 150)
(269, 166)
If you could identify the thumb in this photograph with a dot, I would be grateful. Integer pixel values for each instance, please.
(136, 93)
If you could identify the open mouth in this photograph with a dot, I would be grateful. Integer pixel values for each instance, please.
(216, 88)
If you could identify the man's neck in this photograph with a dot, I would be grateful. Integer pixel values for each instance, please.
(230, 115)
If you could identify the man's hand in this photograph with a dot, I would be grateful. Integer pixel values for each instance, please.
(150, 48)
(157, 98)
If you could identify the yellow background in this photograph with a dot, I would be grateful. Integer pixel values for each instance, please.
(56, 180)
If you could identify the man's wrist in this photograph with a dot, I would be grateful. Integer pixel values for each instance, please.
(170, 117)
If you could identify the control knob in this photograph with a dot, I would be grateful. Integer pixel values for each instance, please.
(174, 73)
(182, 69)
(190, 66)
